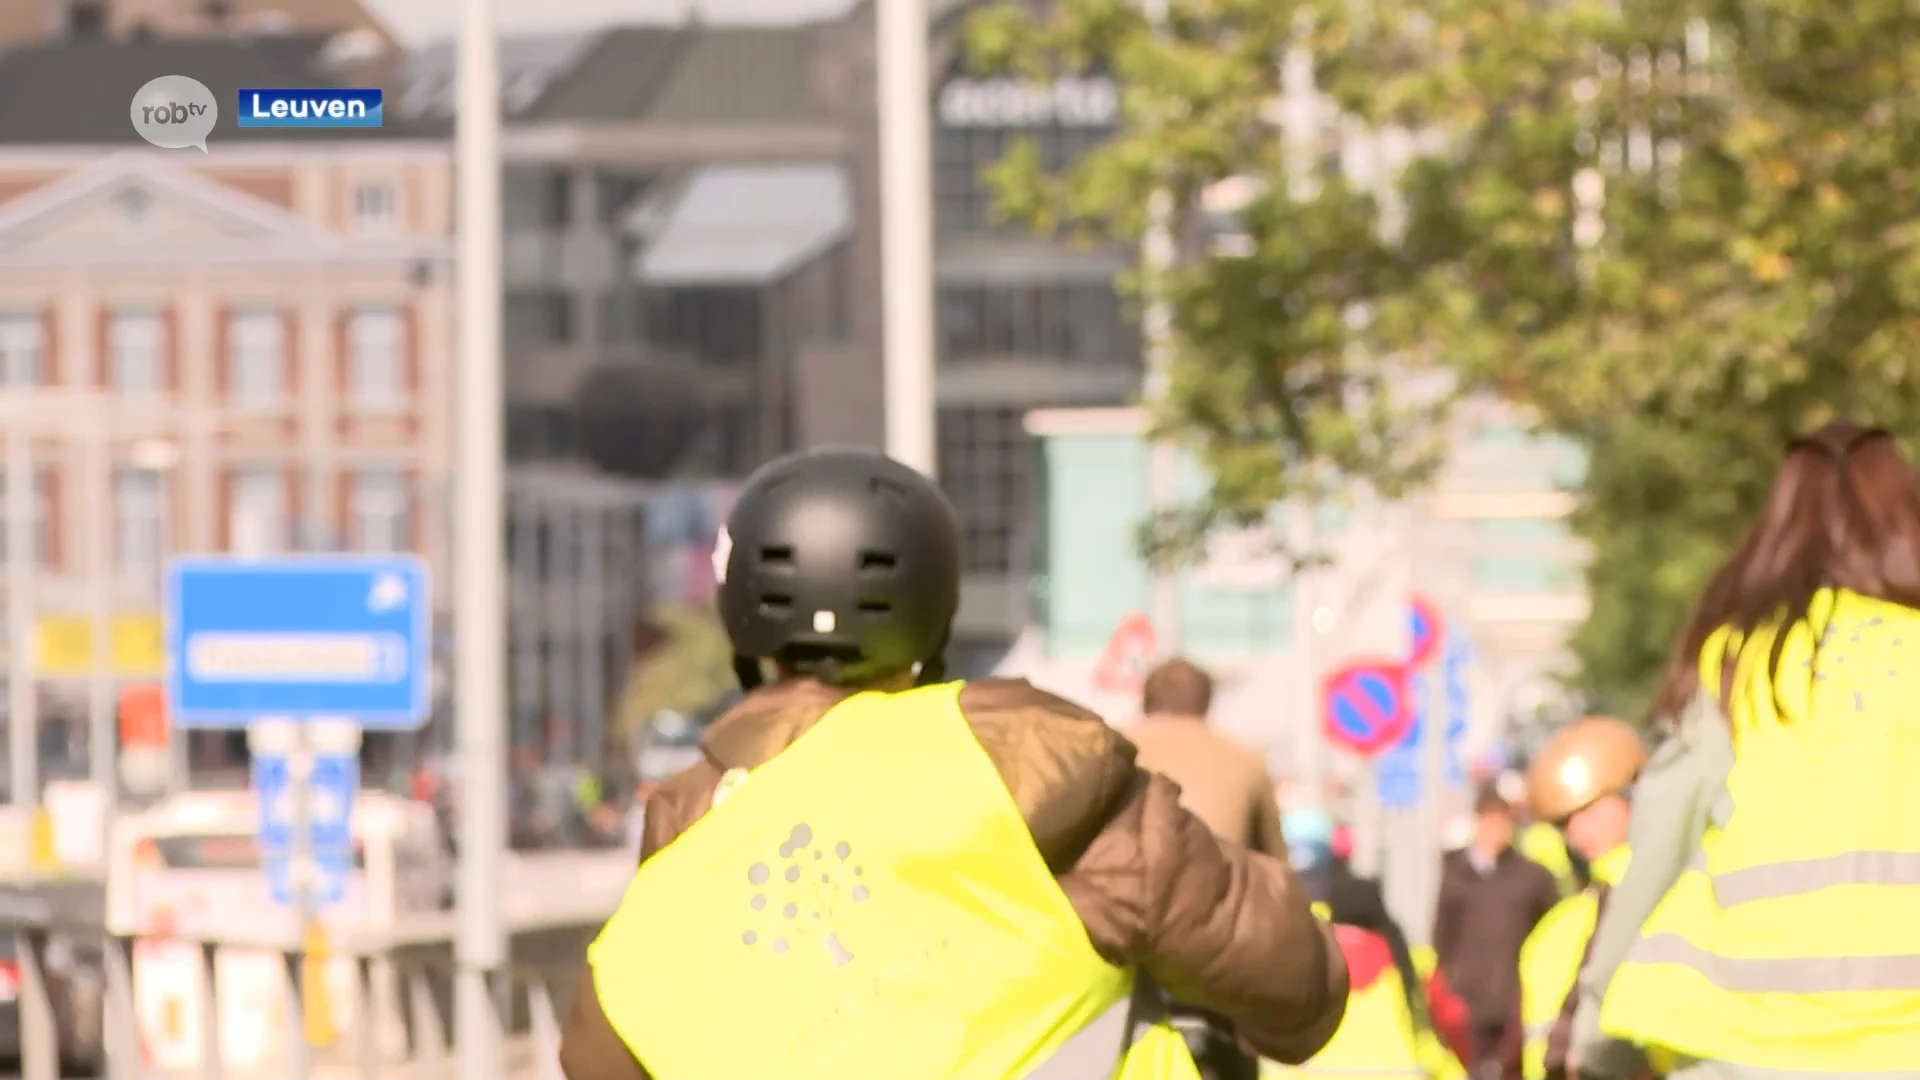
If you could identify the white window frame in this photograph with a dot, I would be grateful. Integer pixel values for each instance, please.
(257, 373)
(23, 349)
(379, 504)
(374, 204)
(377, 359)
(137, 352)
(42, 519)
(259, 517)
(139, 522)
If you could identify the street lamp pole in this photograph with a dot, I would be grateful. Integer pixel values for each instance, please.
(479, 613)
(906, 230)
(1156, 326)
(23, 714)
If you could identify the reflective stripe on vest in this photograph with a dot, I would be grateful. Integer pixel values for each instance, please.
(1789, 942)
(901, 925)
(1799, 876)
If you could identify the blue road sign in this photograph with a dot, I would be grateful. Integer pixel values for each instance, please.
(1454, 664)
(330, 886)
(330, 790)
(1365, 707)
(1397, 769)
(300, 637)
(1424, 630)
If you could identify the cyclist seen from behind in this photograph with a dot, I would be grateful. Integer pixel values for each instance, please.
(1765, 928)
(1579, 782)
(876, 873)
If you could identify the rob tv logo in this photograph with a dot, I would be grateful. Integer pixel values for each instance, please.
(309, 108)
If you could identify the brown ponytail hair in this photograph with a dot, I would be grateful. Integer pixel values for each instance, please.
(1843, 512)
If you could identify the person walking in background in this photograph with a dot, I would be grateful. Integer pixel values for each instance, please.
(1222, 782)
(1491, 897)
(1540, 840)
(1579, 782)
(1397, 1023)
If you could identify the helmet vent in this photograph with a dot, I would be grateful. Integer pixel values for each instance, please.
(875, 607)
(777, 555)
(877, 562)
(775, 606)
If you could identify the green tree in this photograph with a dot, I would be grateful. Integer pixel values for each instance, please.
(1679, 232)
(1291, 355)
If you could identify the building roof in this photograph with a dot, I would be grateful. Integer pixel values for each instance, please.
(80, 92)
(620, 77)
(689, 74)
(742, 75)
(528, 67)
(421, 21)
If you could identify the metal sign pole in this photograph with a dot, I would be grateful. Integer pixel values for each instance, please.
(23, 713)
(302, 872)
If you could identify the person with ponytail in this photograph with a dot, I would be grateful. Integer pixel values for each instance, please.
(1764, 929)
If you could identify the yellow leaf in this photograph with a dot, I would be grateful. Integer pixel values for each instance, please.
(1771, 267)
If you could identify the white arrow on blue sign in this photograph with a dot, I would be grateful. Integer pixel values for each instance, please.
(333, 782)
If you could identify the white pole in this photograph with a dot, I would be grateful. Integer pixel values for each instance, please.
(100, 588)
(479, 613)
(1156, 330)
(1314, 752)
(593, 651)
(906, 230)
(179, 744)
(23, 714)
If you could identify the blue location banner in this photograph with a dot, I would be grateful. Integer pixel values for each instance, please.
(309, 107)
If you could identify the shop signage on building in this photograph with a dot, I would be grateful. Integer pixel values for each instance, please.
(1082, 102)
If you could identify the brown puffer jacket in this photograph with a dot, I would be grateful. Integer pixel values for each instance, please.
(1219, 927)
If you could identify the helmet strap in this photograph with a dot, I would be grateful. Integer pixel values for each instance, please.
(748, 671)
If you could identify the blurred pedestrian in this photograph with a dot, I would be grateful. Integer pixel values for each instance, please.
(873, 872)
(1578, 782)
(1397, 1023)
(1223, 782)
(1765, 924)
(1491, 897)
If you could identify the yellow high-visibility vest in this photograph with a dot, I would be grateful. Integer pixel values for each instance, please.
(1550, 959)
(1543, 844)
(869, 903)
(1792, 944)
(1378, 1039)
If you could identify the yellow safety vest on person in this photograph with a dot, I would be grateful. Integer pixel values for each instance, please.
(1441, 1062)
(1550, 959)
(1543, 844)
(1378, 1039)
(1792, 943)
(869, 903)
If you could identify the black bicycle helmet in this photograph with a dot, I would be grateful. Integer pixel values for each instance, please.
(842, 564)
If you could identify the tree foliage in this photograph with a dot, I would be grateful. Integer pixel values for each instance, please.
(1678, 232)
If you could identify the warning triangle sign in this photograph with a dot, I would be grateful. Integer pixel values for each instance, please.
(1123, 665)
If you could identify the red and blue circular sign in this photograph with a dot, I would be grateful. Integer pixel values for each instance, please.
(1425, 620)
(1366, 706)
